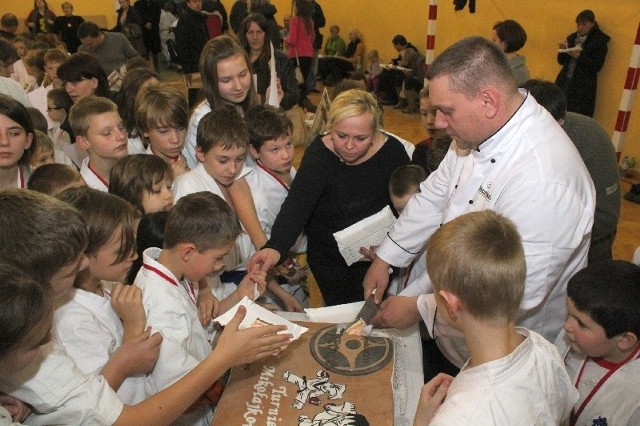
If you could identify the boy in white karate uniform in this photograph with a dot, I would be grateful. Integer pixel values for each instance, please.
(200, 231)
(46, 239)
(513, 376)
(271, 147)
(221, 149)
(600, 345)
(99, 130)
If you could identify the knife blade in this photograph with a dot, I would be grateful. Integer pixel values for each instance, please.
(366, 313)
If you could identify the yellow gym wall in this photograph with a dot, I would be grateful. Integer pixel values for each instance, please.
(546, 22)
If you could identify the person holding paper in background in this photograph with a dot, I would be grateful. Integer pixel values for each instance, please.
(343, 178)
(254, 37)
(578, 77)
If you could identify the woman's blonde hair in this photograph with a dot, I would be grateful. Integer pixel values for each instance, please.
(353, 103)
(357, 33)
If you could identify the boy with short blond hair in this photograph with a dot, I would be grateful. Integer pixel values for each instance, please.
(200, 230)
(600, 344)
(513, 375)
(98, 128)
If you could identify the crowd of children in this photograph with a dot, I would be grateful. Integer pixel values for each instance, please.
(179, 219)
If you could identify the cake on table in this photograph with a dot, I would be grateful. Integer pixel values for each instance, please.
(325, 378)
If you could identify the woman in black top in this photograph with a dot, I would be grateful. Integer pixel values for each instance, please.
(343, 178)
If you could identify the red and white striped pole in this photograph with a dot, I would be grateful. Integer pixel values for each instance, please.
(431, 35)
(628, 95)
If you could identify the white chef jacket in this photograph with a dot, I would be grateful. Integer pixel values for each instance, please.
(530, 172)
(527, 387)
(90, 331)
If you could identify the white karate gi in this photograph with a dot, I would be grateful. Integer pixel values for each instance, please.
(60, 393)
(618, 400)
(189, 149)
(268, 195)
(91, 179)
(91, 331)
(196, 180)
(530, 172)
(527, 387)
(171, 310)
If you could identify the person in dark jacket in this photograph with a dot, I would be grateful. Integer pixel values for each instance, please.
(149, 11)
(191, 36)
(255, 38)
(130, 24)
(239, 11)
(578, 77)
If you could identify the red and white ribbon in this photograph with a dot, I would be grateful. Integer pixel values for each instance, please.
(431, 36)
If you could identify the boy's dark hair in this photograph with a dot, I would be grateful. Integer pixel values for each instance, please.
(9, 20)
(133, 174)
(38, 119)
(104, 214)
(26, 302)
(150, 234)
(550, 96)
(585, 16)
(203, 219)
(83, 66)
(8, 53)
(266, 123)
(512, 34)
(405, 179)
(51, 178)
(88, 29)
(609, 292)
(60, 98)
(39, 233)
(224, 127)
(399, 39)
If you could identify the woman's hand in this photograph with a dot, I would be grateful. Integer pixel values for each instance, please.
(264, 259)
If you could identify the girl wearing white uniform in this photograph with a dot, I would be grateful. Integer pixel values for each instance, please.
(86, 325)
